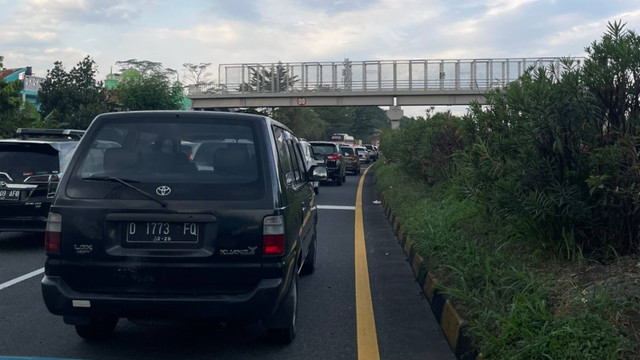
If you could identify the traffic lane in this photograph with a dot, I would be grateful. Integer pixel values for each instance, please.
(345, 195)
(20, 253)
(405, 324)
(326, 318)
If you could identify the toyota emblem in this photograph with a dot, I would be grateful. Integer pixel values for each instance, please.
(163, 190)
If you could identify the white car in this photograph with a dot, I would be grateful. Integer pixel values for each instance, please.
(310, 159)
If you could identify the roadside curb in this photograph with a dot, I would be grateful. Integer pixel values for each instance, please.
(452, 325)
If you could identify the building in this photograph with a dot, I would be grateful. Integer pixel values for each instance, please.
(29, 84)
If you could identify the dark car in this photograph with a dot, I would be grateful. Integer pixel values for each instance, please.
(141, 229)
(351, 159)
(333, 160)
(31, 166)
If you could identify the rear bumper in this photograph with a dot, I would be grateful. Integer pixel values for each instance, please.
(333, 173)
(23, 217)
(353, 167)
(23, 223)
(257, 304)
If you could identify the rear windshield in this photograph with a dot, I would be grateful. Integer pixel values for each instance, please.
(19, 161)
(361, 150)
(347, 150)
(213, 159)
(322, 149)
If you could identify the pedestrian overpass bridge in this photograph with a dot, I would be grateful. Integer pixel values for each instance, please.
(392, 83)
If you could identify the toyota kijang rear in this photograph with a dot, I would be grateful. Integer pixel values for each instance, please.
(140, 229)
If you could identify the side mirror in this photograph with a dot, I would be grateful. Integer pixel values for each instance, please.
(318, 173)
(289, 179)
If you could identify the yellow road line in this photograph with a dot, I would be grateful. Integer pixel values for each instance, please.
(365, 321)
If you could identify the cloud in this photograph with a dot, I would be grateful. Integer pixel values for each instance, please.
(243, 31)
(500, 7)
(226, 33)
(585, 33)
(44, 58)
(84, 11)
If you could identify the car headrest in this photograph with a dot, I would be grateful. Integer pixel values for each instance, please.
(232, 160)
(118, 160)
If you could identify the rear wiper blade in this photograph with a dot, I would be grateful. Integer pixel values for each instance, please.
(127, 183)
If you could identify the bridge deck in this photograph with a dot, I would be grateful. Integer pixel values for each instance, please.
(348, 83)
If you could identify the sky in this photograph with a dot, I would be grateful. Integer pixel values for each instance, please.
(39, 32)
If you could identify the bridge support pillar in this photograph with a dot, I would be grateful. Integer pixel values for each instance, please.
(394, 114)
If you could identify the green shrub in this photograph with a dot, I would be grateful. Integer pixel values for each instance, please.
(556, 152)
(488, 277)
(425, 146)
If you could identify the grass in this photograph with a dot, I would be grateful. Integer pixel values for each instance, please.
(520, 303)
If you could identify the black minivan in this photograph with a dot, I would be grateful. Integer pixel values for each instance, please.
(182, 215)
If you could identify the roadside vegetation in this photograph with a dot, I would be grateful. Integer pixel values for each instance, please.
(527, 209)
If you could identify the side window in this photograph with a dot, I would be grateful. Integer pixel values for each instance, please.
(296, 165)
(302, 160)
(284, 158)
(109, 138)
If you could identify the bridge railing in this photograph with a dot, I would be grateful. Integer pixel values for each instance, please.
(372, 76)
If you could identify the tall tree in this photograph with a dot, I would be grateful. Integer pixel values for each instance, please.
(339, 119)
(144, 67)
(14, 112)
(366, 120)
(151, 90)
(274, 79)
(73, 98)
(304, 122)
(9, 96)
(197, 73)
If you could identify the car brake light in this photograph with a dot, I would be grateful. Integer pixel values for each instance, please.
(53, 234)
(42, 179)
(273, 235)
(333, 157)
(52, 185)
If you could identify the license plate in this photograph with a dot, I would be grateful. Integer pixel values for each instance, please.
(162, 232)
(11, 195)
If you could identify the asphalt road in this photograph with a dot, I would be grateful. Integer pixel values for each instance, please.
(327, 320)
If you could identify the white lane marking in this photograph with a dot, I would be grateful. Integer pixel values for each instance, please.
(21, 278)
(336, 207)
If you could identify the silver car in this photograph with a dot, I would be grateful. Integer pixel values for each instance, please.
(363, 154)
(311, 159)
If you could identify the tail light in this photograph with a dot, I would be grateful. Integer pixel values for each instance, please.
(52, 186)
(53, 234)
(39, 179)
(273, 235)
(333, 157)
(51, 180)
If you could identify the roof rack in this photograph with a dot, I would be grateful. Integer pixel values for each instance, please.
(29, 133)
